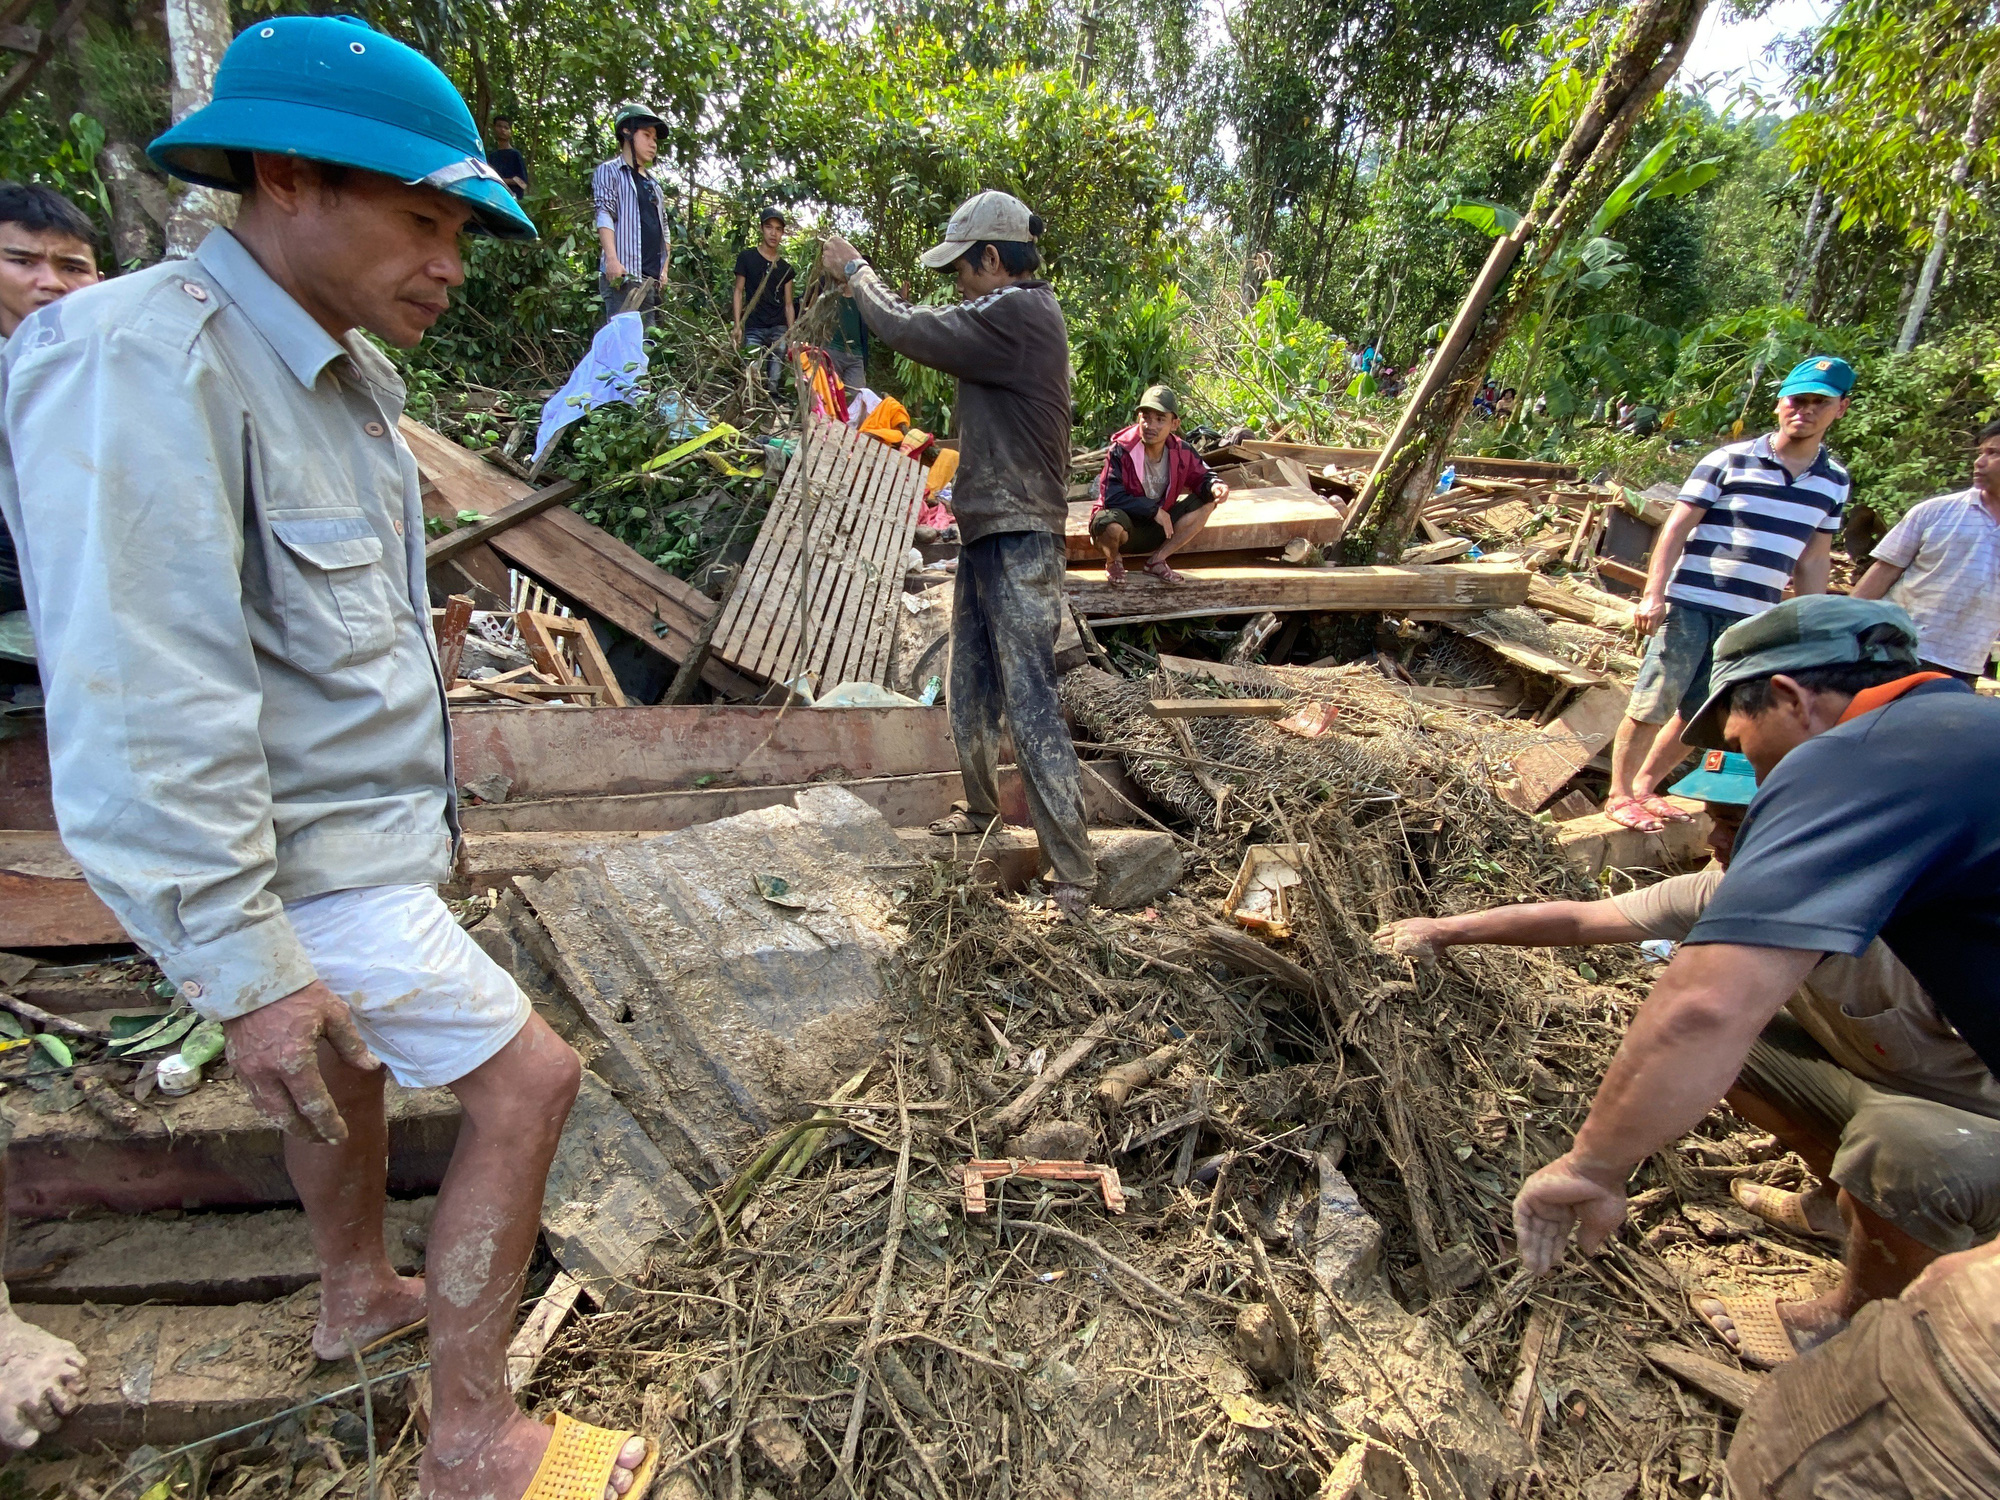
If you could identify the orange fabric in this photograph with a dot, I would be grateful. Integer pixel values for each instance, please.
(1869, 699)
(889, 421)
(942, 470)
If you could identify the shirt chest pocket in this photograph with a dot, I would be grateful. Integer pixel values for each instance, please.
(335, 606)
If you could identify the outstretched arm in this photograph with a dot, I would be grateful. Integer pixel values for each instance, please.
(1683, 1051)
(1540, 924)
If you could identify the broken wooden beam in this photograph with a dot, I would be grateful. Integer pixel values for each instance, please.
(1220, 708)
(1731, 1385)
(198, 1259)
(1250, 520)
(530, 505)
(1448, 587)
(1583, 729)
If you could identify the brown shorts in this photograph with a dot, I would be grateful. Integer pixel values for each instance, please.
(1878, 1412)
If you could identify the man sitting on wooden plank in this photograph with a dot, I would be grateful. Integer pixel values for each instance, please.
(247, 735)
(1155, 493)
(1897, 1117)
(1009, 347)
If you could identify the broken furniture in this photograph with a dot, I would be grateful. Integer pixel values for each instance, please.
(980, 1171)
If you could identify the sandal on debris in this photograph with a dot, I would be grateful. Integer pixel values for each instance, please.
(1630, 812)
(959, 821)
(1779, 1208)
(1762, 1340)
(581, 1459)
(1664, 810)
(1161, 569)
(1114, 570)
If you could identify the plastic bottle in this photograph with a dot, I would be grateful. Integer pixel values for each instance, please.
(1448, 478)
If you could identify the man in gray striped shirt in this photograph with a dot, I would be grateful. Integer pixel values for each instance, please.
(1753, 519)
(631, 227)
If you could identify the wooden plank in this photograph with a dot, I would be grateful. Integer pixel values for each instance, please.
(1250, 520)
(611, 1196)
(173, 1375)
(1526, 657)
(44, 902)
(1221, 708)
(1575, 601)
(1251, 590)
(865, 609)
(530, 505)
(531, 1341)
(592, 664)
(542, 648)
(1302, 680)
(206, 1259)
(882, 636)
(1731, 1385)
(1583, 729)
(453, 621)
(810, 635)
(1470, 465)
(1618, 572)
(1295, 474)
(735, 613)
(774, 585)
(501, 838)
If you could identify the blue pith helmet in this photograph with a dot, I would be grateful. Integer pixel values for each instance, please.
(334, 89)
(1720, 776)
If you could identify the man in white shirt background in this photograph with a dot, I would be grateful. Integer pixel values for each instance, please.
(1941, 562)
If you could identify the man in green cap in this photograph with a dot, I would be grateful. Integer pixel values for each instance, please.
(1877, 814)
(1007, 344)
(222, 548)
(1155, 494)
(1753, 519)
(631, 224)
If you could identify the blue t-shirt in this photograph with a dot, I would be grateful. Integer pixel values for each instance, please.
(1886, 825)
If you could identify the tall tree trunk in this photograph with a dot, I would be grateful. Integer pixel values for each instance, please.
(1649, 51)
(197, 35)
(1976, 122)
(1808, 250)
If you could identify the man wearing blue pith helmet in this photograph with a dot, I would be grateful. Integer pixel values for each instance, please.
(222, 551)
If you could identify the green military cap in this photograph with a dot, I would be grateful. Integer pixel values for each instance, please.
(1161, 399)
(1817, 630)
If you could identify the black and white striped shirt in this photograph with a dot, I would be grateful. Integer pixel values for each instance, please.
(1759, 519)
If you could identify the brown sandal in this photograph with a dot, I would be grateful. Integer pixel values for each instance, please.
(1763, 1342)
(1780, 1208)
(1630, 812)
(1163, 570)
(1114, 570)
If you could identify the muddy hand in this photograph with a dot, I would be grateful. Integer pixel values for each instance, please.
(275, 1051)
(1413, 937)
(1564, 1196)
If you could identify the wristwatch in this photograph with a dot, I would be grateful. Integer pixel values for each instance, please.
(847, 271)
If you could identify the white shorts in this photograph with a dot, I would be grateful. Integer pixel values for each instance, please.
(425, 997)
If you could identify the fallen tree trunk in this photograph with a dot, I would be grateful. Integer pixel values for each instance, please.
(1648, 52)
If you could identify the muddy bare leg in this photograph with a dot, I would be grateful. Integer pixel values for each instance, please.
(344, 1188)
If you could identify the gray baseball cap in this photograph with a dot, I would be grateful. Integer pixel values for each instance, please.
(990, 215)
(1816, 630)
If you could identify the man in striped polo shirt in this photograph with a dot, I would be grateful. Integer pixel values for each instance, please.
(1753, 518)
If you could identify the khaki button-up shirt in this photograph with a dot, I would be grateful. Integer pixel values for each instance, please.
(222, 547)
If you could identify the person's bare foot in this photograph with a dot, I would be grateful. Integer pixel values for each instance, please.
(485, 1464)
(363, 1316)
(42, 1380)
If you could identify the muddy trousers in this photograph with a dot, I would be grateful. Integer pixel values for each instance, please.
(1005, 612)
(1882, 1411)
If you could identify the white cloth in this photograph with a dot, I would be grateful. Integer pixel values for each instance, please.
(426, 999)
(1949, 550)
(614, 365)
(1154, 475)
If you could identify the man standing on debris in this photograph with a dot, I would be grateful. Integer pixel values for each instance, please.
(48, 249)
(248, 743)
(631, 224)
(1155, 494)
(1859, 1074)
(1753, 519)
(1877, 813)
(1009, 347)
(763, 297)
(1941, 562)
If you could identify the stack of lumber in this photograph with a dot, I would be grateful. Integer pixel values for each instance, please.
(818, 592)
(1451, 588)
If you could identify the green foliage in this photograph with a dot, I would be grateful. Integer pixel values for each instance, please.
(58, 155)
(1137, 344)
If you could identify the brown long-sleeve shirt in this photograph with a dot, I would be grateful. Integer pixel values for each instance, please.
(1010, 352)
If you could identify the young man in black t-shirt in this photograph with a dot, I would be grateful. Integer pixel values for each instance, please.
(763, 297)
(506, 159)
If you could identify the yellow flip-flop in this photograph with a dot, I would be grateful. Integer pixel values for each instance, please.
(580, 1460)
